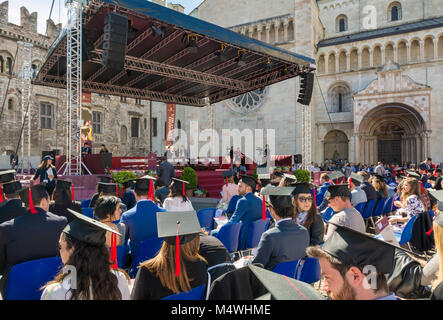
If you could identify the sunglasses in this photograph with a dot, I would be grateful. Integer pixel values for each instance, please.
(305, 199)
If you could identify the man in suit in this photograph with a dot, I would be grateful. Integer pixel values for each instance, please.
(165, 171)
(288, 240)
(128, 195)
(141, 220)
(31, 236)
(14, 206)
(247, 210)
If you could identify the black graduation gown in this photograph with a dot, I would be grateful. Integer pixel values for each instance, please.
(12, 209)
(148, 287)
(28, 237)
(63, 211)
(94, 200)
(420, 240)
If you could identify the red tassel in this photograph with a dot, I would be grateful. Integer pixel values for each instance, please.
(183, 185)
(177, 252)
(1, 193)
(226, 181)
(344, 180)
(435, 170)
(114, 251)
(31, 203)
(315, 202)
(264, 208)
(422, 189)
(350, 181)
(151, 191)
(430, 231)
(72, 191)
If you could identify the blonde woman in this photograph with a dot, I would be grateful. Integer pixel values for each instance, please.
(410, 204)
(380, 187)
(47, 173)
(437, 286)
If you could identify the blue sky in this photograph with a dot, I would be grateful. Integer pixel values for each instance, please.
(43, 8)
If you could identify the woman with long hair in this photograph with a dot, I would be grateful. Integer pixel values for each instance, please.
(82, 246)
(177, 200)
(168, 273)
(306, 213)
(107, 210)
(437, 226)
(62, 200)
(380, 187)
(47, 173)
(410, 203)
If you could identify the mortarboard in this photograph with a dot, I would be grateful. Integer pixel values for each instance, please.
(278, 174)
(356, 177)
(335, 175)
(11, 187)
(379, 177)
(7, 176)
(183, 182)
(226, 175)
(290, 177)
(338, 190)
(413, 174)
(105, 179)
(93, 232)
(108, 188)
(250, 181)
(353, 248)
(281, 287)
(280, 195)
(177, 227)
(128, 184)
(438, 196)
(145, 184)
(26, 195)
(301, 187)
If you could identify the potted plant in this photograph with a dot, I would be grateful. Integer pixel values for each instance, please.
(190, 176)
(200, 193)
(302, 175)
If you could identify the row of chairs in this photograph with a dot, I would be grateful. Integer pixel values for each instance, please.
(306, 270)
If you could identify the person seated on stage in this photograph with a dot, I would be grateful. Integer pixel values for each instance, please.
(306, 214)
(103, 179)
(349, 260)
(13, 206)
(161, 191)
(357, 194)
(288, 240)
(238, 171)
(172, 270)
(128, 195)
(107, 210)
(141, 224)
(248, 209)
(82, 246)
(62, 200)
(177, 200)
(47, 173)
(410, 203)
(30, 236)
(339, 199)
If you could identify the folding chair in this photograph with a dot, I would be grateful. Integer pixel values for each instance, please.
(206, 218)
(308, 270)
(89, 212)
(229, 235)
(288, 268)
(255, 231)
(327, 214)
(147, 249)
(197, 293)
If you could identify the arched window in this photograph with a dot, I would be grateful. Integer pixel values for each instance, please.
(340, 98)
(342, 23)
(8, 65)
(179, 124)
(2, 65)
(10, 104)
(394, 11)
(123, 134)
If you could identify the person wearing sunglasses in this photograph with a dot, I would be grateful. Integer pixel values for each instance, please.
(288, 240)
(339, 199)
(306, 213)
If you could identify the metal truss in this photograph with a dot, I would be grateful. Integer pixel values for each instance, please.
(25, 87)
(306, 135)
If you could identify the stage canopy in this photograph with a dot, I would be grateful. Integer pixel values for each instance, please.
(172, 57)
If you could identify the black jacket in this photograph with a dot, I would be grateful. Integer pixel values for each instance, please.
(213, 250)
(28, 237)
(129, 199)
(369, 190)
(316, 231)
(43, 175)
(63, 211)
(12, 209)
(420, 240)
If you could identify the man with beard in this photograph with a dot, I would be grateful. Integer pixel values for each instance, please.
(353, 265)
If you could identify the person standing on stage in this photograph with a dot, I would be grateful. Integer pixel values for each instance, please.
(103, 149)
(165, 171)
(86, 149)
(47, 173)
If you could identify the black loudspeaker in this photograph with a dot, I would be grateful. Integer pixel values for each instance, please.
(306, 84)
(87, 45)
(106, 158)
(298, 158)
(114, 41)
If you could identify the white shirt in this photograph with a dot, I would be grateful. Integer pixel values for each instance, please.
(177, 204)
(60, 291)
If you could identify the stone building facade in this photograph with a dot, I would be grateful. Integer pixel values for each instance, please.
(379, 72)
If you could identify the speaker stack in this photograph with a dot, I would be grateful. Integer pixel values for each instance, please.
(306, 84)
(114, 41)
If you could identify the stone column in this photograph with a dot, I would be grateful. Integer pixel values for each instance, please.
(422, 50)
(408, 52)
(395, 54)
(348, 61)
(337, 60)
(285, 29)
(259, 33)
(276, 26)
(383, 55)
(359, 64)
(268, 27)
(435, 42)
(357, 147)
(371, 58)
(322, 151)
(326, 63)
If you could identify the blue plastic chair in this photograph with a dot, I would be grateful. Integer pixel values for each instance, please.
(255, 231)
(378, 211)
(25, 279)
(85, 203)
(327, 214)
(288, 268)
(121, 256)
(147, 249)
(229, 235)
(309, 271)
(89, 212)
(206, 218)
(406, 235)
(232, 204)
(431, 214)
(369, 208)
(197, 293)
(360, 207)
(388, 205)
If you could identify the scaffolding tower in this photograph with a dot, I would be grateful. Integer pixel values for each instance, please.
(26, 106)
(306, 136)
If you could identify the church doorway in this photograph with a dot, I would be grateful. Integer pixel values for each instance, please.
(336, 146)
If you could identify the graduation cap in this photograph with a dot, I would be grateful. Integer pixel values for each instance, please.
(278, 174)
(26, 195)
(355, 177)
(281, 287)
(290, 177)
(93, 232)
(413, 174)
(226, 175)
(177, 227)
(250, 181)
(183, 184)
(145, 184)
(438, 196)
(353, 248)
(48, 157)
(11, 187)
(338, 190)
(301, 187)
(379, 177)
(7, 176)
(128, 184)
(280, 195)
(334, 176)
(105, 179)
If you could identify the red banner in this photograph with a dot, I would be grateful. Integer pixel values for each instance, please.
(170, 122)
(86, 97)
